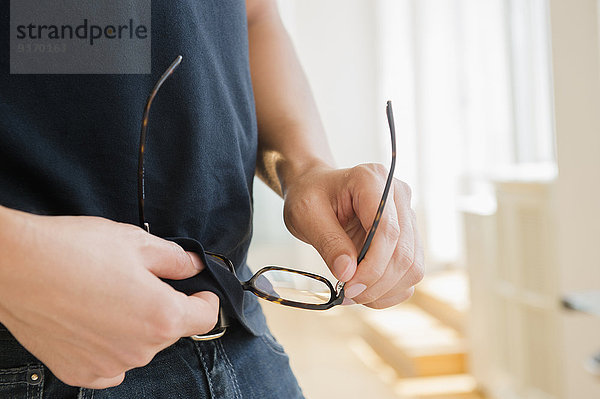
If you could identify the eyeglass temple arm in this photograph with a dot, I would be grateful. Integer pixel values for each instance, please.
(141, 187)
(386, 190)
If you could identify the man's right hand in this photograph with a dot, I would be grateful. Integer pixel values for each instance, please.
(83, 294)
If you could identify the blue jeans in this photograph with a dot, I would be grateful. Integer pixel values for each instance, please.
(238, 365)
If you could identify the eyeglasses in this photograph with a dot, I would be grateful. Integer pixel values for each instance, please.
(277, 284)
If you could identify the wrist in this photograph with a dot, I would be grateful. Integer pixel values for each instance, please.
(289, 172)
(279, 170)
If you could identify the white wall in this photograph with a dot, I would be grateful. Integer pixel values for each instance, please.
(576, 66)
(338, 44)
(336, 41)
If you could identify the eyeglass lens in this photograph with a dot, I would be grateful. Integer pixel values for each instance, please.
(274, 283)
(283, 284)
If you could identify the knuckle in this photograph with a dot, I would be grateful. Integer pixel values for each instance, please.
(371, 171)
(177, 250)
(145, 242)
(302, 205)
(297, 207)
(390, 229)
(131, 229)
(140, 358)
(359, 170)
(179, 255)
(166, 322)
(418, 273)
(116, 380)
(380, 170)
(404, 257)
(367, 297)
(404, 188)
(109, 370)
(375, 274)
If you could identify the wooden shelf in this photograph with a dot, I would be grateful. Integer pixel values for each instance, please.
(413, 342)
(445, 295)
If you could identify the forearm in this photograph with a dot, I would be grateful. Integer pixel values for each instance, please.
(13, 226)
(291, 135)
(54, 269)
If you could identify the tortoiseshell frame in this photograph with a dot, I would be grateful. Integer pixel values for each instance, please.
(336, 297)
(141, 186)
(337, 293)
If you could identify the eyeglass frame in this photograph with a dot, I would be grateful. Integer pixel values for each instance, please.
(337, 293)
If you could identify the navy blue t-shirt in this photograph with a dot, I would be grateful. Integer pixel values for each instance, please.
(69, 143)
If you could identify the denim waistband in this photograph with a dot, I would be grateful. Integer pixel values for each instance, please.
(13, 354)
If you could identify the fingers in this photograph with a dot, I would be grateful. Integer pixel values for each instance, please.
(405, 287)
(322, 229)
(397, 292)
(388, 283)
(201, 312)
(393, 300)
(178, 315)
(181, 315)
(389, 255)
(168, 260)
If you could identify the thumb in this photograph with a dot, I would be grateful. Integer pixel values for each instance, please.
(202, 313)
(170, 261)
(322, 230)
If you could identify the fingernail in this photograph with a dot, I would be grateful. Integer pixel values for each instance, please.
(343, 267)
(348, 301)
(354, 290)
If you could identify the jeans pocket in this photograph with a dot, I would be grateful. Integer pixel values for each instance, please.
(22, 382)
(273, 344)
